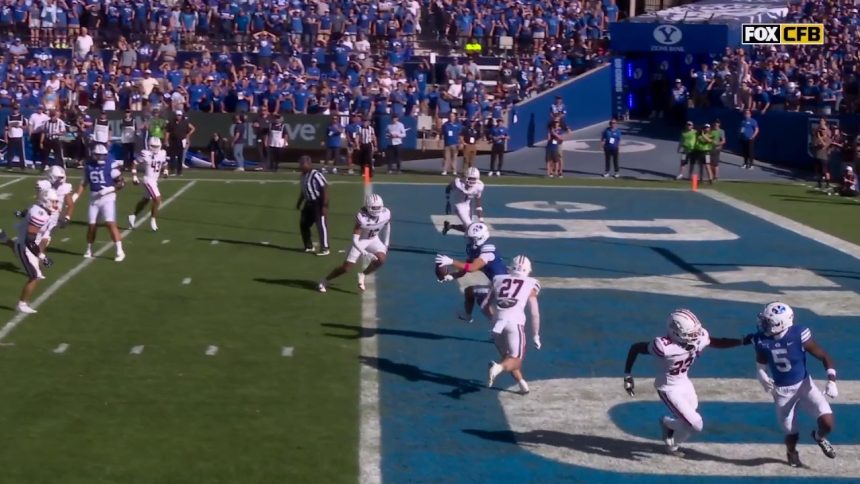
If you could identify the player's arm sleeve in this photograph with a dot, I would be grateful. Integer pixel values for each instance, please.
(635, 350)
(387, 234)
(534, 309)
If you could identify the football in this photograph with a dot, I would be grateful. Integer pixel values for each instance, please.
(441, 272)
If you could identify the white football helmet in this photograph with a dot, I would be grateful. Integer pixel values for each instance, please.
(154, 143)
(521, 266)
(49, 200)
(776, 318)
(478, 233)
(56, 175)
(373, 204)
(100, 153)
(472, 176)
(683, 326)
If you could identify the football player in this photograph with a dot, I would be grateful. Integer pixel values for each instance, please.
(465, 190)
(31, 229)
(55, 178)
(374, 218)
(684, 342)
(509, 295)
(154, 160)
(103, 179)
(781, 348)
(480, 256)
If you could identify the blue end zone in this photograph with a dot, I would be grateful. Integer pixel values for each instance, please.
(440, 423)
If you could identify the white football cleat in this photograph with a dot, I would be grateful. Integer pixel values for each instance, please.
(120, 256)
(153, 225)
(524, 387)
(322, 286)
(361, 285)
(88, 254)
(131, 220)
(494, 371)
(462, 316)
(668, 434)
(25, 308)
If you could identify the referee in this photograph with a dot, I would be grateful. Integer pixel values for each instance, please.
(366, 145)
(51, 142)
(315, 196)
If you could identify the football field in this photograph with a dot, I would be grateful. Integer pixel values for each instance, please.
(208, 355)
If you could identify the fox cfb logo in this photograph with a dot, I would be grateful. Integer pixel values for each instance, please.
(782, 34)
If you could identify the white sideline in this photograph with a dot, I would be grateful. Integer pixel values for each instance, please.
(843, 246)
(74, 271)
(369, 440)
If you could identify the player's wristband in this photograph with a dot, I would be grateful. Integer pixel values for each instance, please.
(466, 267)
(831, 373)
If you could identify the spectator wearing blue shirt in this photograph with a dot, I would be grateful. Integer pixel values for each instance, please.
(452, 141)
(748, 133)
(498, 137)
(611, 139)
(333, 143)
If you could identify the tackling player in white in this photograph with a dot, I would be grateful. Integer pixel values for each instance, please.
(509, 295)
(781, 348)
(684, 342)
(31, 230)
(56, 180)
(154, 160)
(465, 190)
(103, 179)
(374, 218)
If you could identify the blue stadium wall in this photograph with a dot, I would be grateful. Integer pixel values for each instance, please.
(588, 99)
(784, 137)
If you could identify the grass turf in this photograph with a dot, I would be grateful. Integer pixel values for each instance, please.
(97, 414)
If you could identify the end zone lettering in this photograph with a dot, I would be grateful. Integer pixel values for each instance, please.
(782, 34)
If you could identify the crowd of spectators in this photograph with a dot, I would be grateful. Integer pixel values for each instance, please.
(821, 79)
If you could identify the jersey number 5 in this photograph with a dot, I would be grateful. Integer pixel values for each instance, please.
(507, 284)
(782, 364)
(681, 366)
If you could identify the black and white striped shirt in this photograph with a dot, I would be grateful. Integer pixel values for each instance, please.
(313, 185)
(366, 135)
(55, 128)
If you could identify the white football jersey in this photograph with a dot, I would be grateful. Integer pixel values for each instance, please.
(676, 359)
(463, 194)
(153, 162)
(64, 189)
(370, 225)
(38, 217)
(511, 293)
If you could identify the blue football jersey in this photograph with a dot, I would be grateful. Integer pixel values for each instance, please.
(100, 176)
(786, 356)
(495, 267)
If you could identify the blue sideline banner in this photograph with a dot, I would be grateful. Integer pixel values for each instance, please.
(619, 88)
(784, 137)
(588, 99)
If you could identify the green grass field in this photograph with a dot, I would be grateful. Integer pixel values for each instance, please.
(98, 414)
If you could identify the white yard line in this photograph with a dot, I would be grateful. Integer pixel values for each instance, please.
(2, 185)
(212, 350)
(287, 351)
(370, 432)
(136, 350)
(843, 246)
(61, 348)
(74, 271)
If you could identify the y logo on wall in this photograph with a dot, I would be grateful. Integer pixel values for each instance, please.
(667, 34)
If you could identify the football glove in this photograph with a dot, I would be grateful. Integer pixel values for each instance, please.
(447, 208)
(447, 278)
(444, 260)
(64, 221)
(830, 390)
(629, 385)
(47, 262)
(767, 384)
(20, 213)
(135, 180)
(747, 339)
(75, 197)
(536, 340)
